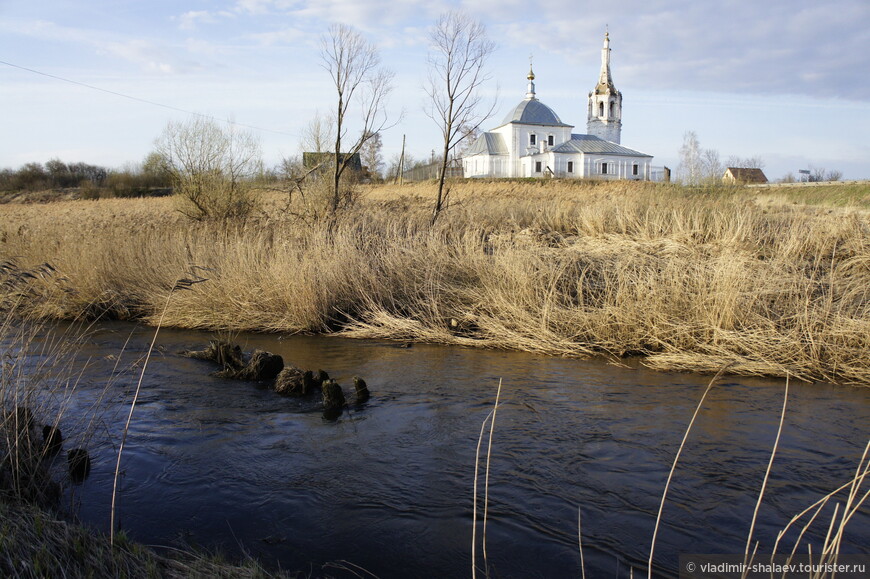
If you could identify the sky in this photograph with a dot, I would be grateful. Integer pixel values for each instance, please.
(97, 81)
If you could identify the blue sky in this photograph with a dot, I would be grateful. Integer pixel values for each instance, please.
(784, 80)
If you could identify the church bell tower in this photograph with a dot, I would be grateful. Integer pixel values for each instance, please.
(604, 118)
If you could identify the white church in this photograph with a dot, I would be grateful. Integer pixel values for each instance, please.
(532, 141)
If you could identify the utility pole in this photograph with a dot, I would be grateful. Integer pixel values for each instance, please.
(401, 175)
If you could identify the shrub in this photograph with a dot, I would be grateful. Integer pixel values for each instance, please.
(211, 168)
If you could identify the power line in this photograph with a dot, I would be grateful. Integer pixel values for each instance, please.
(144, 101)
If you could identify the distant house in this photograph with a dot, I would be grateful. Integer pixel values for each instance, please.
(744, 175)
(312, 160)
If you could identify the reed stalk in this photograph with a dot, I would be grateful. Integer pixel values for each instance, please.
(490, 418)
(674, 466)
(580, 544)
(746, 558)
(474, 496)
(183, 283)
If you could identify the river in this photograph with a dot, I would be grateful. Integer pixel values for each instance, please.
(388, 487)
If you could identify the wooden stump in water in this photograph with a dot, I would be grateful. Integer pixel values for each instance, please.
(333, 400)
(224, 353)
(261, 366)
(291, 382)
(79, 463)
(319, 378)
(362, 390)
(52, 439)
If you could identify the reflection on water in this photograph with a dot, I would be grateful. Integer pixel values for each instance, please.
(388, 487)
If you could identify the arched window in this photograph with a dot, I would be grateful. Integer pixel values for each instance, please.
(611, 109)
(600, 109)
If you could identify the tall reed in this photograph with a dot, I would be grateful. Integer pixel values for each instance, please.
(40, 371)
(181, 284)
(688, 279)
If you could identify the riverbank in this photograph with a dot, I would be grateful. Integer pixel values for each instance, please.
(770, 280)
(36, 543)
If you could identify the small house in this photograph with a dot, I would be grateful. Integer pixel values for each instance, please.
(744, 175)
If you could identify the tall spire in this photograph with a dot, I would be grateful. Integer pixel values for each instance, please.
(604, 118)
(530, 92)
(605, 81)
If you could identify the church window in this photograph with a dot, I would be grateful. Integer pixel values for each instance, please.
(611, 109)
(604, 168)
(537, 166)
(634, 169)
(551, 140)
(533, 139)
(600, 109)
(570, 166)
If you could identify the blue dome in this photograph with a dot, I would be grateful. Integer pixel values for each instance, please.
(533, 112)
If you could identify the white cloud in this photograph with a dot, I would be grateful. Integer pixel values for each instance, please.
(283, 36)
(147, 54)
(258, 6)
(189, 20)
(770, 47)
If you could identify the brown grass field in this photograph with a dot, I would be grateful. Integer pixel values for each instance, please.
(774, 280)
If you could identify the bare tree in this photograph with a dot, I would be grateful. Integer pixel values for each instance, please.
(755, 162)
(469, 135)
(210, 167)
(712, 166)
(355, 67)
(690, 168)
(396, 164)
(370, 155)
(318, 136)
(698, 165)
(459, 49)
(819, 175)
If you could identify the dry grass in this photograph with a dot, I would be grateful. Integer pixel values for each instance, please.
(36, 544)
(691, 279)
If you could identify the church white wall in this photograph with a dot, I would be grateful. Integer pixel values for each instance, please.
(518, 139)
(563, 162)
(485, 166)
(617, 167)
(556, 165)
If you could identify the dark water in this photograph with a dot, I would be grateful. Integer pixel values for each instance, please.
(232, 465)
